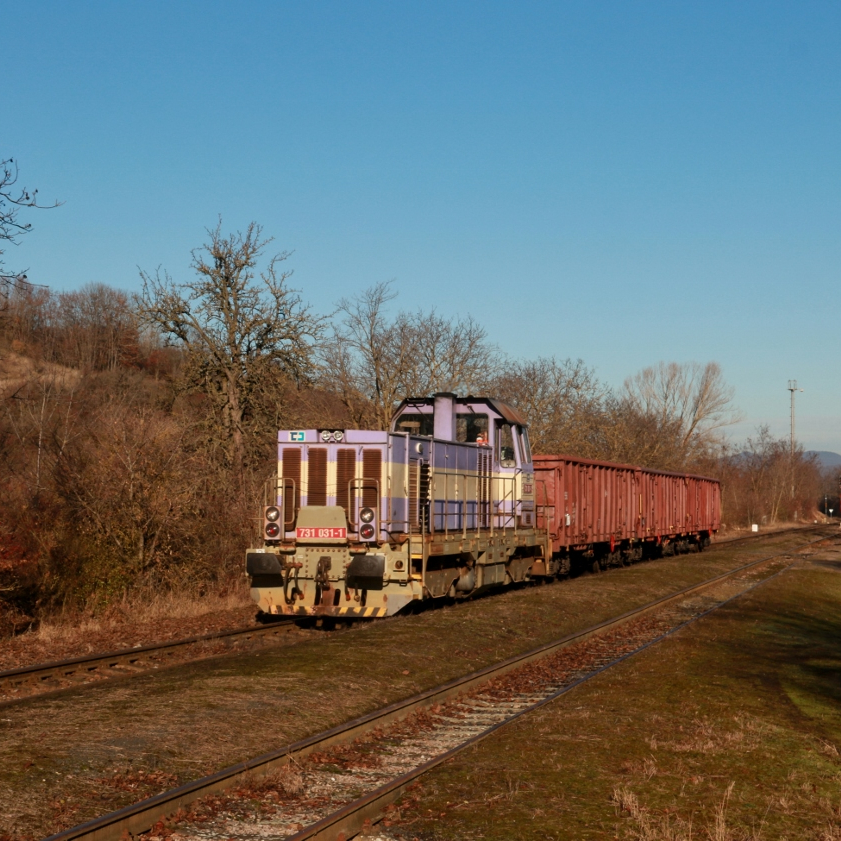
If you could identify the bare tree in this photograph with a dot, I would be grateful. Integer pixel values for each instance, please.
(12, 200)
(691, 399)
(128, 477)
(763, 481)
(366, 356)
(237, 331)
(26, 316)
(627, 435)
(374, 360)
(562, 400)
(95, 328)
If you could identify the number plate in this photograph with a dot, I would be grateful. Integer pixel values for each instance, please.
(321, 534)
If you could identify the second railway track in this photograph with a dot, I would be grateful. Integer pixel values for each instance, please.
(41, 678)
(407, 738)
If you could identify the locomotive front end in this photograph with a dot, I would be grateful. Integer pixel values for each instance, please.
(327, 548)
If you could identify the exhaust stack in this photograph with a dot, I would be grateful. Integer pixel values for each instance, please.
(445, 416)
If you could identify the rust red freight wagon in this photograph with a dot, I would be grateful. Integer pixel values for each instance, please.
(607, 514)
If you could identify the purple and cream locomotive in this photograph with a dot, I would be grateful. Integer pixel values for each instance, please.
(363, 523)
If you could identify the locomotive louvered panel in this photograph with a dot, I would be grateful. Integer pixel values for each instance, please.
(414, 479)
(345, 472)
(291, 466)
(317, 476)
(372, 473)
(484, 489)
(424, 489)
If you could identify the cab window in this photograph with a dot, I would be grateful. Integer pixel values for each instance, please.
(524, 437)
(505, 445)
(470, 426)
(415, 423)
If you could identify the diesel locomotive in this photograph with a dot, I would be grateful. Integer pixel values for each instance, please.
(448, 503)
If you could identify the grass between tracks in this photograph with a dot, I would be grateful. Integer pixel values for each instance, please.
(730, 729)
(70, 758)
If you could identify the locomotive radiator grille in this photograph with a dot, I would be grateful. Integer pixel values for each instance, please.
(424, 487)
(317, 476)
(371, 469)
(413, 495)
(419, 488)
(484, 489)
(345, 473)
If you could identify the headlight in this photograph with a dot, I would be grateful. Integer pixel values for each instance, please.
(366, 515)
(272, 513)
(338, 435)
(326, 435)
(366, 532)
(272, 530)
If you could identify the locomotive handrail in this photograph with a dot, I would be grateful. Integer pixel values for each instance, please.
(499, 502)
(410, 493)
(292, 507)
(507, 519)
(462, 513)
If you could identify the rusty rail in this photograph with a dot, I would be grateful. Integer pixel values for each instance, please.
(142, 657)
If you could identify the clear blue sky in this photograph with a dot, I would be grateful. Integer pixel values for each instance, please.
(623, 182)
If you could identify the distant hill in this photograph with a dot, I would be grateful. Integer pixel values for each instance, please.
(826, 459)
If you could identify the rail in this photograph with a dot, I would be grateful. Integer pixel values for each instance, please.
(110, 662)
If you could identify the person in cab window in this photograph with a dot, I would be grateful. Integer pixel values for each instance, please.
(482, 439)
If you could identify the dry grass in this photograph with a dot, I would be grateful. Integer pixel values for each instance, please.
(647, 826)
(142, 610)
(16, 370)
(140, 619)
(705, 736)
(727, 732)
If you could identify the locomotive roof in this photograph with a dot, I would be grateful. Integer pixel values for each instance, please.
(507, 412)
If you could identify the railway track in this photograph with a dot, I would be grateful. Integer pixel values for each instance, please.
(60, 675)
(338, 789)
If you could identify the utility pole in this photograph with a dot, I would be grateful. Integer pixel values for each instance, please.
(792, 387)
